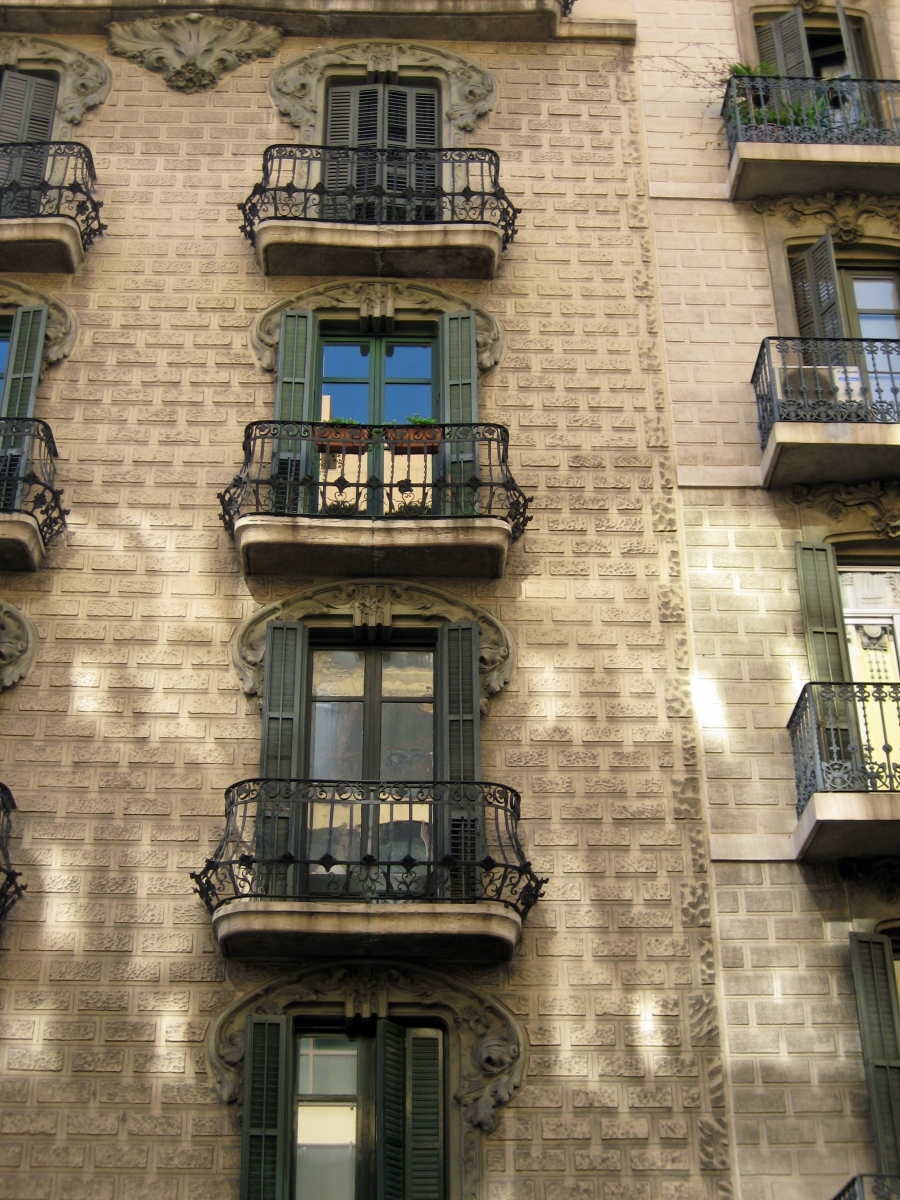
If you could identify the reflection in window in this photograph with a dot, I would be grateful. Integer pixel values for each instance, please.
(326, 1118)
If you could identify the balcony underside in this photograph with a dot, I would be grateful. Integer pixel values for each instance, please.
(484, 931)
(435, 251)
(473, 547)
(836, 825)
(777, 169)
(814, 452)
(49, 245)
(21, 545)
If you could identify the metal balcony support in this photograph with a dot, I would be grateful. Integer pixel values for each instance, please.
(370, 842)
(50, 179)
(10, 889)
(28, 474)
(380, 187)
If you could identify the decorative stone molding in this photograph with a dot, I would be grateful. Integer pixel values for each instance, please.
(18, 645)
(84, 81)
(192, 52)
(842, 215)
(490, 1061)
(62, 330)
(880, 874)
(295, 86)
(378, 303)
(373, 606)
(878, 503)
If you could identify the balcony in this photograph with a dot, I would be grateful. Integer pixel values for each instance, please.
(48, 214)
(871, 1187)
(318, 499)
(846, 743)
(805, 136)
(828, 409)
(369, 869)
(10, 889)
(31, 512)
(330, 210)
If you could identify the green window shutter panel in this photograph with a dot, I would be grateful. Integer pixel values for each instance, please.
(265, 1163)
(27, 108)
(823, 621)
(283, 700)
(782, 44)
(23, 369)
(817, 296)
(425, 1117)
(852, 44)
(879, 1023)
(459, 369)
(459, 701)
(293, 384)
(390, 1110)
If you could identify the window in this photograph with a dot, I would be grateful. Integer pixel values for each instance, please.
(875, 982)
(27, 113)
(377, 380)
(343, 1116)
(383, 116)
(21, 354)
(814, 46)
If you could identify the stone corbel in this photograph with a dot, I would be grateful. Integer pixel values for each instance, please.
(192, 52)
(62, 330)
(18, 645)
(84, 81)
(374, 605)
(377, 303)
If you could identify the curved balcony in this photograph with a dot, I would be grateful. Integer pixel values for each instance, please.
(804, 136)
(48, 214)
(333, 210)
(31, 512)
(846, 744)
(369, 868)
(828, 409)
(10, 889)
(319, 499)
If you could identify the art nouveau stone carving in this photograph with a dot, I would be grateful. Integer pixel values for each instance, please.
(878, 504)
(295, 86)
(375, 605)
(378, 302)
(18, 645)
(192, 52)
(842, 215)
(62, 330)
(84, 81)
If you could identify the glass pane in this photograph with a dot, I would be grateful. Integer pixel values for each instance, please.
(878, 325)
(405, 830)
(345, 360)
(407, 741)
(4, 352)
(876, 293)
(338, 672)
(326, 1151)
(407, 673)
(349, 401)
(336, 735)
(333, 829)
(326, 1066)
(407, 362)
(404, 400)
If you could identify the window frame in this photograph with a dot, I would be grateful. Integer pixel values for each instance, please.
(325, 336)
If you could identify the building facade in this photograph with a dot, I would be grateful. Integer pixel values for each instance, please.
(438, 449)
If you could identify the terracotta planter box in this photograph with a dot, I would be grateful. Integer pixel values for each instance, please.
(412, 439)
(341, 439)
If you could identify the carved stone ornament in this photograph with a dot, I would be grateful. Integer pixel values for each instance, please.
(880, 874)
(489, 1063)
(372, 606)
(842, 215)
(378, 303)
(18, 645)
(295, 86)
(192, 52)
(62, 330)
(878, 502)
(84, 81)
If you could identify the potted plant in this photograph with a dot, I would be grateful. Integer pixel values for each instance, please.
(340, 435)
(420, 435)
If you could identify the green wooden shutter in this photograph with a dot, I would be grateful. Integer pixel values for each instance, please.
(459, 702)
(23, 371)
(390, 1110)
(782, 44)
(852, 44)
(27, 108)
(265, 1159)
(823, 621)
(283, 700)
(459, 369)
(817, 294)
(425, 1116)
(879, 1025)
(296, 357)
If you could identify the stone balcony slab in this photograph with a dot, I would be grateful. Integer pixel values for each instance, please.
(777, 169)
(21, 544)
(44, 244)
(836, 825)
(819, 452)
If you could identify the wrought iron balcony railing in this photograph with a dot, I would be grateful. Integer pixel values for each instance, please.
(871, 1187)
(316, 840)
(50, 179)
(380, 187)
(848, 112)
(421, 472)
(10, 888)
(827, 379)
(846, 738)
(28, 474)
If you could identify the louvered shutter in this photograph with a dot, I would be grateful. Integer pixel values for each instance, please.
(817, 292)
(852, 44)
(23, 370)
(265, 1161)
(459, 407)
(27, 108)
(339, 129)
(782, 44)
(283, 700)
(459, 734)
(390, 1110)
(879, 1025)
(425, 1117)
(292, 456)
(823, 623)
